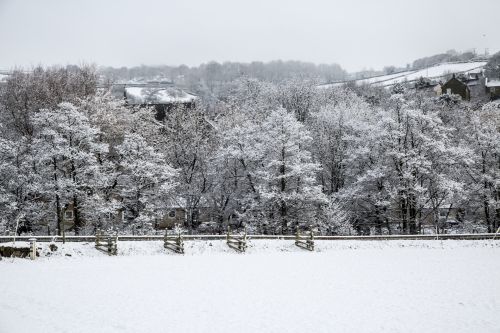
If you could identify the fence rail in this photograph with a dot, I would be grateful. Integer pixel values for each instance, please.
(4, 239)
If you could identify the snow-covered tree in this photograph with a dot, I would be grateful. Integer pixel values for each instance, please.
(492, 68)
(235, 163)
(480, 132)
(145, 182)
(288, 189)
(67, 151)
(187, 144)
(403, 161)
(332, 128)
(26, 92)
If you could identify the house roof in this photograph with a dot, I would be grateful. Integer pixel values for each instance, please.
(157, 95)
(454, 82)
(492, 83)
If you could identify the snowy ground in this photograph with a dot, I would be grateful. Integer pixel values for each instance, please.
(344, 286)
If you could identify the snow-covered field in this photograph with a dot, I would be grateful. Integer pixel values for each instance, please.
(433, 72)
(344, 286)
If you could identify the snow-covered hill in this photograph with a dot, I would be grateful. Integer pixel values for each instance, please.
(435, 72)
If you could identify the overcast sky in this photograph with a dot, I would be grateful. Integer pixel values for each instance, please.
(355, 34)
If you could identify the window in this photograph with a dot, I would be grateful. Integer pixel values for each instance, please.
(442, 213)
(448, 91)
(195, 215)
(68, 215)
(171, 213)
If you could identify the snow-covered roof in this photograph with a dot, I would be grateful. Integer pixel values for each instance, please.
(476, 71)
(493, 83)
(156, 95)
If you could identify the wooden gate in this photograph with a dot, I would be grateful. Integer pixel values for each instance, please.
(174, 242)
(305, 241)
(236, 242)
(106, 242)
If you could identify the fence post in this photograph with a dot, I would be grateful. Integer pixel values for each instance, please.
(312, 240)
(97, 237)
(180, 247)
(32, 248)
(110, 245)
(496, 233)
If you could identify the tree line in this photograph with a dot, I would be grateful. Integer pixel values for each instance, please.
(272, 156)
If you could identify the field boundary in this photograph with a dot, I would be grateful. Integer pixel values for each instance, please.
(4, 239)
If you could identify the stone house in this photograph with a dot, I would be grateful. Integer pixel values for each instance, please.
(448, 217)
(493, 88)
(178, 216)
(161, 98)
(457, 87)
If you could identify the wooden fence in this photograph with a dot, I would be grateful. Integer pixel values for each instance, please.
(174, 242)
(497, 233)
(236, 242)
(305, 241)
(138, 238)
(107, 242)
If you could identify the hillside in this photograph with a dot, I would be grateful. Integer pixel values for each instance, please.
(435, 72)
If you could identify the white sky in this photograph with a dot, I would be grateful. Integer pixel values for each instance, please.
(356, 34)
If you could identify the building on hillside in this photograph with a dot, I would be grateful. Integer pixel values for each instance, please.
(161, 98)
(174, 216)
(447, 215)
(179, 216)
(457, 87)
(109, 219)
(493, 88)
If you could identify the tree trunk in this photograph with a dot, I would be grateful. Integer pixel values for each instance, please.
(283, 207)
(412, 212)
(404, 207)
(486, 208)
(378, 221)
(60, 223)
(76, 216)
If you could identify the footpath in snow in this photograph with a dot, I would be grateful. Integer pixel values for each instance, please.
(344, 286)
